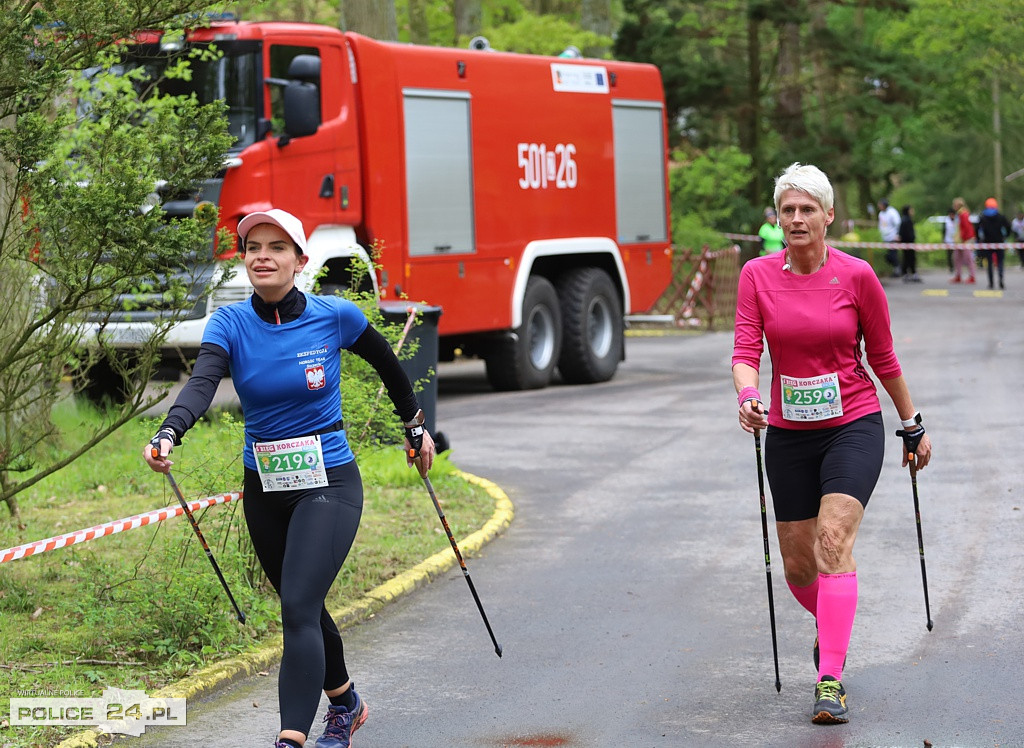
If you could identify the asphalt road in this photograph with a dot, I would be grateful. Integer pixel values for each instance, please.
(629, 594)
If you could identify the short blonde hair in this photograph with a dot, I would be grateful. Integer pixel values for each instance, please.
(807, 179)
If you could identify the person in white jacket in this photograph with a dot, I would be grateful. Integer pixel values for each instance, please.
(889, 221)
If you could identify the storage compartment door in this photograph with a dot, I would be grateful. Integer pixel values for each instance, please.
(639, 171)
(438, 172)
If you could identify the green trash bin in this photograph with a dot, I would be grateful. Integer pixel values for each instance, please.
(422, 366)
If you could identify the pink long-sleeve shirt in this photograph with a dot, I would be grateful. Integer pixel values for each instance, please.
(815, 325)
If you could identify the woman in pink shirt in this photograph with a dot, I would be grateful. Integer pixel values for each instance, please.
(817, 306)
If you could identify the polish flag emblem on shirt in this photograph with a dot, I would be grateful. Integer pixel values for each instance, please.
(315, 377)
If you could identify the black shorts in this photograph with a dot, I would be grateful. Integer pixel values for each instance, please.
(804, 465)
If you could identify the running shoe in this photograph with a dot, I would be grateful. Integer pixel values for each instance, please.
(341, 723)
(829, 702)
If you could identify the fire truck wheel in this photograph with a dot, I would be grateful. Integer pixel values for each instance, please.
(101, 384)
(591, 326)
(526, 360)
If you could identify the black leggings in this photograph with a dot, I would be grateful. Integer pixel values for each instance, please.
(301, 539)
(995, 257)
(909, 262)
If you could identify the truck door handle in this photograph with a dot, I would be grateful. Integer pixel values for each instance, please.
(442, 247)
(327, 186)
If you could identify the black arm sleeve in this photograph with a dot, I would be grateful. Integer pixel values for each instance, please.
(376, 351)
(195, 397)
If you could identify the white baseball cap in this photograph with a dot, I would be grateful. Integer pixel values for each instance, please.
(280, 218)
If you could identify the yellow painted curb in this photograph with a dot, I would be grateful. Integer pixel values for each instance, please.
(267, 655)
(662, 332)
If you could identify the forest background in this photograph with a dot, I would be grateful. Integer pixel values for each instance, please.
(917, 101)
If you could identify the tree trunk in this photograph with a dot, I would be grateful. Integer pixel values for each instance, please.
(789, 109)
(12, 502)
(419, 30)
(467, 19)
(596, 16)
(373, 18)
(750, 112)
(997, 143)
(823, 82)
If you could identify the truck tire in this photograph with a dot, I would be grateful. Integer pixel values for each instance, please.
(101, 384)
(527, 359)
(592, 336)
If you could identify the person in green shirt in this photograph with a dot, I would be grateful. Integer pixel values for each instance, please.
(770, 233)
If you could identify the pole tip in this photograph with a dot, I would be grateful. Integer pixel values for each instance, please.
(497, 650)
(778, 686)
(929, 624)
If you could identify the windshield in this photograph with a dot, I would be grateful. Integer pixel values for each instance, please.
(230, 76)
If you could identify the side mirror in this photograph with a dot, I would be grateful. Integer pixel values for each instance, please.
(301, 109)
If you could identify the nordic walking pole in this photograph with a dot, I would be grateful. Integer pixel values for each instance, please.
(199, 534)
(767, 556)
(920, 538)
(458, 555)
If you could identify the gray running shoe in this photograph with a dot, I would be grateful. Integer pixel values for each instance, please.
(829, 702)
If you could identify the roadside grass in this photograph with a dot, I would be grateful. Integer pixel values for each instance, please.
(143, 608)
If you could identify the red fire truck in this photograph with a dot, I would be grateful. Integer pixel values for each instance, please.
(525, 196)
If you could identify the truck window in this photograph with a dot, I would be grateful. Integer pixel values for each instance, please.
(281, 56)
(639, 171)
(228, 75)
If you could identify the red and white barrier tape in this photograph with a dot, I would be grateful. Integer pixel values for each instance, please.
(110, 528)
(893, 245)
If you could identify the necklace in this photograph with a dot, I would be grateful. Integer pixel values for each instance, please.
(788, 266)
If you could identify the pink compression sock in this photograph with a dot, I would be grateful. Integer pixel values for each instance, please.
(837, 605)
(806, 596)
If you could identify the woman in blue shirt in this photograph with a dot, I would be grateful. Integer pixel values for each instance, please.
(302, 488)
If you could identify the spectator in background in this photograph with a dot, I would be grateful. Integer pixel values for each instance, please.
(889, 227)
(949, 232)
(963, 257)
(909, 236)
(994, 228)
(772, 237)
(1017, 226)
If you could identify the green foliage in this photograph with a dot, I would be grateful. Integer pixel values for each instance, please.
(705, 191)
(540, 35)
(82, 158)
(966, 49)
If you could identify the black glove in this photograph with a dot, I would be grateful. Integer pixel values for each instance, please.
(165, 433)
(414, 433)
(911, 438)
